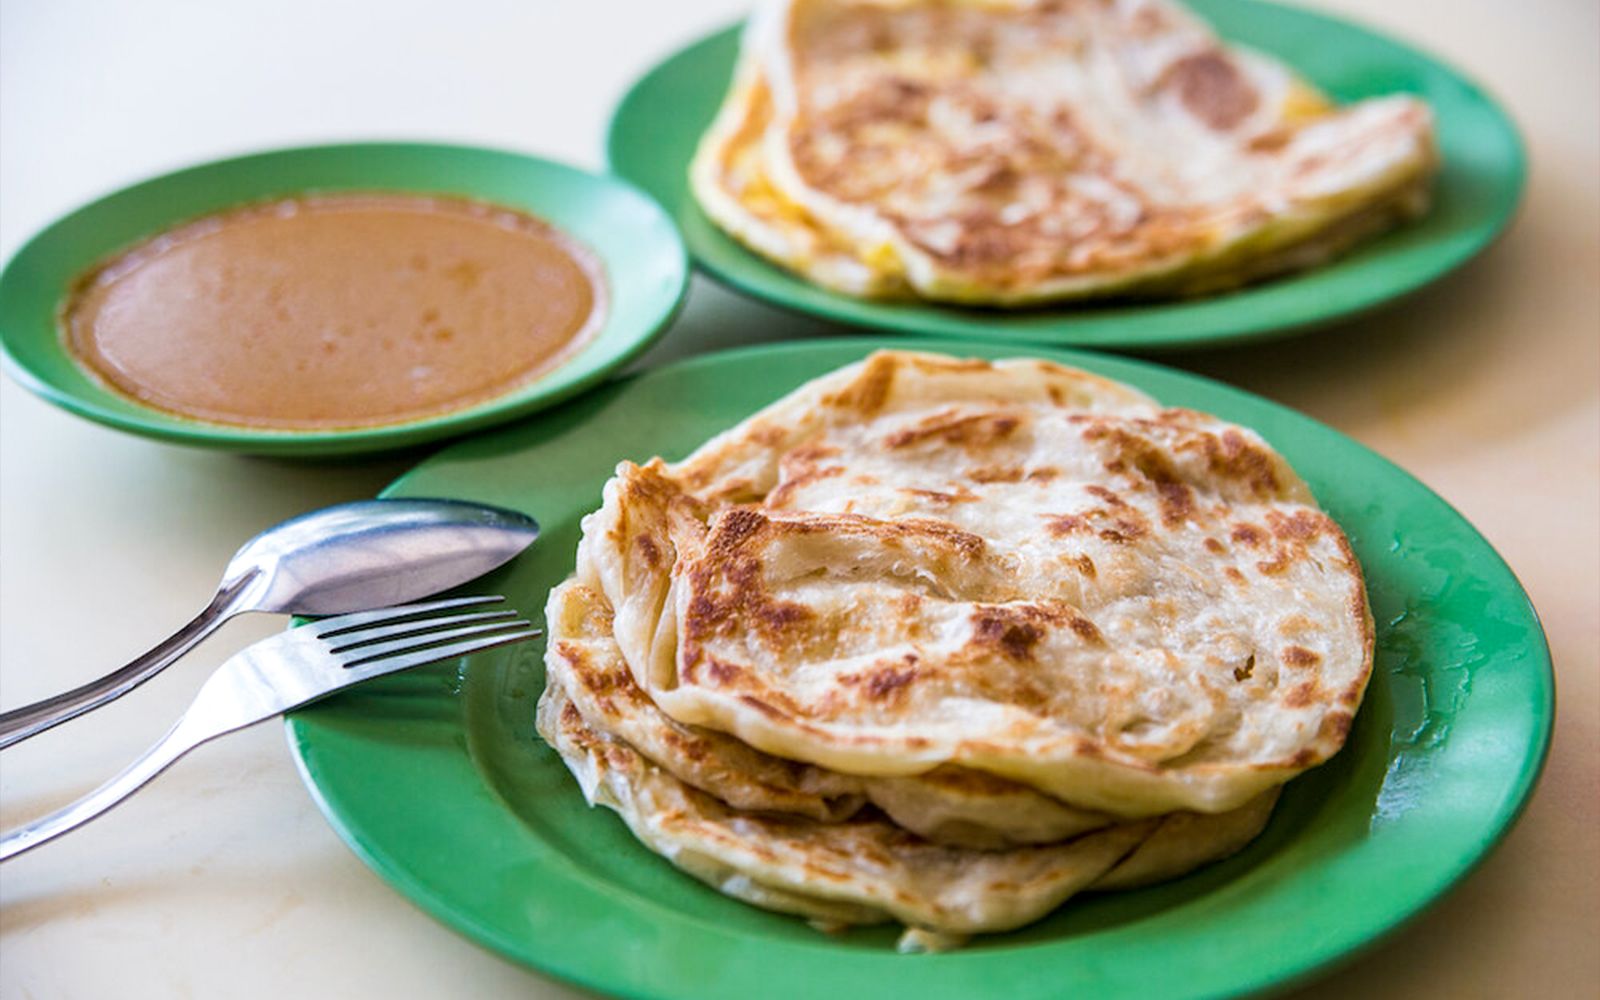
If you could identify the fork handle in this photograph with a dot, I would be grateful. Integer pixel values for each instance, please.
(31, 720)
(178, 741)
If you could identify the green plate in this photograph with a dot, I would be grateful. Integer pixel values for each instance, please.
(645, 266)
(438, 781)
(655, 129)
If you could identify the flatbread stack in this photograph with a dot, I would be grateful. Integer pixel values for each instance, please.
(947, 641)
(1007, 152)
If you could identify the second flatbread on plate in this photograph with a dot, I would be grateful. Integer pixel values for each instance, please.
(866, 870)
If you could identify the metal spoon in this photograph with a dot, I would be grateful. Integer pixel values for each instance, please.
(350, 557)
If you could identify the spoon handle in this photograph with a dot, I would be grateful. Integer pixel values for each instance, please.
(31, 720)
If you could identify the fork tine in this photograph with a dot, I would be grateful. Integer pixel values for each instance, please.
(405, 644)
(347, 623)
(354, 638)
(379, 666)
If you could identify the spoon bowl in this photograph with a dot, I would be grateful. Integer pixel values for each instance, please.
(374, 553)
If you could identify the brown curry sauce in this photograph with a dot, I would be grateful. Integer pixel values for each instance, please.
(328, 311)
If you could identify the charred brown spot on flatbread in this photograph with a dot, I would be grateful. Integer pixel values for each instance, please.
(648, 550)
(980, 430)
(1117, 522)
(1177, 501)
(1232, 455)
(868, 393)
(996, 474)
(751, 701)
(1301, 695)
(1278, 564)
(942, 497)
(1248, 534)
(883, 683)
(1213, 89)
(1300, 526)
(1014, 634)
(1085, 629)
(1299, 656)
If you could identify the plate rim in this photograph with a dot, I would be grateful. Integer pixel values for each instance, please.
(1310, 961)
(152, 423)
(783, 290)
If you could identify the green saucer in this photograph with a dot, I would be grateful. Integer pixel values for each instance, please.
(645, 267)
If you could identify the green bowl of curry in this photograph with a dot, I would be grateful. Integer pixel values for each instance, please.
(340, 299)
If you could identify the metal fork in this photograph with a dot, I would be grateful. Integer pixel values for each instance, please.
(286, 671)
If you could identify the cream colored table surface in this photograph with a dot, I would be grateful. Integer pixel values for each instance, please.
(222, 880)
